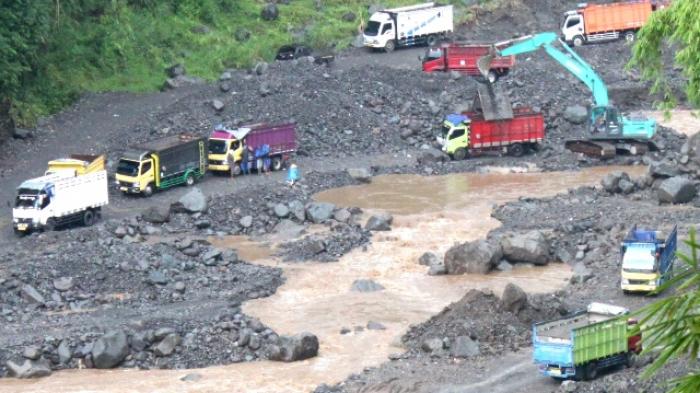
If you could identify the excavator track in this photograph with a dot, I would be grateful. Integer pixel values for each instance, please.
(590, 148)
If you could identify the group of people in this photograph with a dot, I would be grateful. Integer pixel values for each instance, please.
(259, 159)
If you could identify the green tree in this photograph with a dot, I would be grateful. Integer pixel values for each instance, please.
(679, 26)
(672, 325)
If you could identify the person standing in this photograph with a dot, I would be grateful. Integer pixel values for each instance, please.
(245, 159)
(231, 161)
(292, 175)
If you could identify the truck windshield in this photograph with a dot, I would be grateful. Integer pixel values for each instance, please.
(639, 258)
(432, 54)
(128, 168)
(26, 198)
(372, 28)
(217, 146)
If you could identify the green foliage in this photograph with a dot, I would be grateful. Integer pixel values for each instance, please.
(679, 26)
(672, 325)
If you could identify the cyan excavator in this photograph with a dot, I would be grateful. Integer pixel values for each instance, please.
(608, 130)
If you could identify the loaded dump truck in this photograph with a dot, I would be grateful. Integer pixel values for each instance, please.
(470, 133)
(161, 164)
(579, 345)
(463, 58)
(80, 164)
(647, 259)
(58, 199)
(406, 26)
(280, 138)
(604, 22)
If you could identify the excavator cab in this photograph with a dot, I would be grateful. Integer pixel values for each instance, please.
(605, 122)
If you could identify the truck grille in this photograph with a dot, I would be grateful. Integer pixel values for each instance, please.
(216, 162)
(639, 282)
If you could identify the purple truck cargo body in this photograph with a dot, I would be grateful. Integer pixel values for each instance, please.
(280, 137)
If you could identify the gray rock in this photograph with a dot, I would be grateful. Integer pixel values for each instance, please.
(431, 155)
(156, 214)
(64, 352)
(28, 369)
(431, 345)
(514, 298)
(225, 87)
(477, 257)
(297, 210)
(217, 105)
(576, 114)
(611, 181)
(363, 175)
(270, 12)
(342, 215)
(281, 210)
(293, 348)
(175, 70)
(166, 346)
(676, 190)
(180, 286)
(428, 259)
(225, 76)
(437, 269)
(365, 285)
(504, 266)
(30, 294)
(581, 274)
(242, 34)
(568, 386)
(191, 377)
(626, 186)
(63, 283)
(663, 169)
(110, 349)
(529, 247)
(32, 353)
(192, 202)
(289, 228)
(163, 332)
(120, 232)
(157, 277)
(349, 16)
(318, 212)
(22, 133)
(261, 68)
(373, 325)
(379, 222)
(464, 347)
(246, 222)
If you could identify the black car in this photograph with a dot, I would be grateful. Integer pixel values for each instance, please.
(293, 51)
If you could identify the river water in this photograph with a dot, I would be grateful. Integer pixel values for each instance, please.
(430, 214)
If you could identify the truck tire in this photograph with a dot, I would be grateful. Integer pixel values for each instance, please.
(516, 150)
(50, 225)
(19, 233)
(631, 359)
(88, 218)
(148, 191)
(591, 371)
(431, 40)
(236, 169)
(390, 46)
(189, 180)
(276, 164)
(578, 40)
(629, 36)
(460, 154)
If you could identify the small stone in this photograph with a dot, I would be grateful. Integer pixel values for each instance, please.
(431, 345)
(191, 377)
(63, 283)
(167, 346)
(246, 222)
(364, 285)
(372, 325)
(32, 352)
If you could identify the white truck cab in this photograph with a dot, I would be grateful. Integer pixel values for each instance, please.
(379, 30)
(572, 28)
(406, 26)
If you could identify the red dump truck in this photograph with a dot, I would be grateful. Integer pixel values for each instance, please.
(604, 22)
(463, 58)
(469, 133)
(279, 138)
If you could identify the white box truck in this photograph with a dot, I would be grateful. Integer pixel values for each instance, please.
(406, 26)
(58, 199)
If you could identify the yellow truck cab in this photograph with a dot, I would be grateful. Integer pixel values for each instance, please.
(161, 164)
(220, 144)
(647, 259)
(80, 164)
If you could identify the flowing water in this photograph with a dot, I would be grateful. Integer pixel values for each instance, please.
(430, 214)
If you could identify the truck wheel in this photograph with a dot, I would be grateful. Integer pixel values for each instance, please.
(390, 46)
(591, 371)
(50, 225)
(631, 359)
(578, 40)
(516, 150)
(88, 218)
(629, 36)
(276, 164)
(19, 233)
(236, 169)
(460, 154)
(189, 180)
(432, 40)
(148, 191)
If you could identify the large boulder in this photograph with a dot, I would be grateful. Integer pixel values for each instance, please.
(293, 348)
(611, 181)
(663, 169)
(464, 347)
(514, 298)
(431, 155)
(192, 202)
(677, 189)
(576, 114)
(270, 12)
(379, 222)
(167, 346)
(156, 214)
(693, 148)
(363, 175)
(477, 257)
(529, 247)
(318, 212)
(110, 349)
(29, 369)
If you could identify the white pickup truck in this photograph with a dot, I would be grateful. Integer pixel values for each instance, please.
(58, 199)
(406, 26)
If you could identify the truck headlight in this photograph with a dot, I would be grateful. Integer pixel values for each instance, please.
(653, 283)
(15, 220)
(625, 281)
(116, 182)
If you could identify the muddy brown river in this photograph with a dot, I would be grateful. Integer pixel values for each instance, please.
(430, 214)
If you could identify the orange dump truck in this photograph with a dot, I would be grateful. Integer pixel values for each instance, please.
(605, 22)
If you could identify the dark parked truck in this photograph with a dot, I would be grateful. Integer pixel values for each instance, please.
(280, 140)
(161, 164)
(580, 344)
(469, 133)
(647, 259)
(463, 59)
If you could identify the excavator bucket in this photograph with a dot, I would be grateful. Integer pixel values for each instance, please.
(484, 62)
(495, 103)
